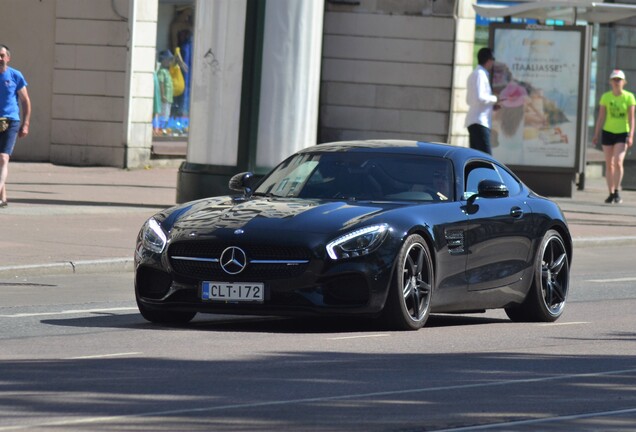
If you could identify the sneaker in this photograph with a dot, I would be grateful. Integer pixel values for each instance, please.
(617, 198)
(610, 199)
(3, 204)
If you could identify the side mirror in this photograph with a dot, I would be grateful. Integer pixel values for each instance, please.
(242, 183)
(489, 189)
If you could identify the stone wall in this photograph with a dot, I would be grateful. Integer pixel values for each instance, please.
(28, 29)
(388, 70)
(102, 82)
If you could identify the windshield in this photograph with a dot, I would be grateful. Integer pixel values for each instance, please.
(361, 176)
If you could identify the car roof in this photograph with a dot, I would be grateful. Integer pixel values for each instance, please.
(398, 146)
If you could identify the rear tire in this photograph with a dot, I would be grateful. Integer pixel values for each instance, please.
(164, 317)
(408, 303)
(548, 293)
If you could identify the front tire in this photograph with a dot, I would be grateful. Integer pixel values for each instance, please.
(547, 296)
(164, 317)
(409, 299)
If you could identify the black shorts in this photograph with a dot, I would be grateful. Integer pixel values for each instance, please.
(609, 139)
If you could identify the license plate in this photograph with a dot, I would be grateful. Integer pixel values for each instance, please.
(253, 292)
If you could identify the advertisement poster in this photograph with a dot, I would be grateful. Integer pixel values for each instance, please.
(537, 79)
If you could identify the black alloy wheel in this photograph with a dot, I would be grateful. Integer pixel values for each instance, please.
(547, 296)
(409, 301)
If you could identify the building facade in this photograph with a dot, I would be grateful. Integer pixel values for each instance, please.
(387, 69)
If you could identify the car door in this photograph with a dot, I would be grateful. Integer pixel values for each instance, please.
(449, 222)
(498, 237)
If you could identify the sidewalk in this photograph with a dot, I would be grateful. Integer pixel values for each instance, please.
(594, 223)
(85, 219)
(66, 219)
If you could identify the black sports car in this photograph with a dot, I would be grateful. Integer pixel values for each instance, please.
(389, 229)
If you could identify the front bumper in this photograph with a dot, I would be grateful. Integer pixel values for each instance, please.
(319, 287)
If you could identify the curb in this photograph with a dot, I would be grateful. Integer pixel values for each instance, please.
(69, 267)
(127, 264)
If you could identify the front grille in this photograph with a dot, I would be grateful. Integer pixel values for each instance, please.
(210, 252)
(206, 249)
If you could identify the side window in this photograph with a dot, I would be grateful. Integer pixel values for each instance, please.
(477, 172)
(513, 185)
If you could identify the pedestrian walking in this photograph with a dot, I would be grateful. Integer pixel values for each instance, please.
(13, 96)
(615, 129)
(481, 102)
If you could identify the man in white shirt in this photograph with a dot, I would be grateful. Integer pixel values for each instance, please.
(481, 102)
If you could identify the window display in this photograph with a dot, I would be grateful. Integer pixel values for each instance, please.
(175, 30)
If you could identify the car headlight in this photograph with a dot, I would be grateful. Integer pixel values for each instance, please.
(153, 237)
(357, 243)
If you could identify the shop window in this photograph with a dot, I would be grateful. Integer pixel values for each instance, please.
(173, 73)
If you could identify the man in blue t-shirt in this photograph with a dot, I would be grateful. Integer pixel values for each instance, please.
(13, 96)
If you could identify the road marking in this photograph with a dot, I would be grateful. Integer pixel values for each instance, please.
(359, 337)
(103, 356)
(540, 421)
(625, 279)
(106, 419)
(68, 312)
(562, 324)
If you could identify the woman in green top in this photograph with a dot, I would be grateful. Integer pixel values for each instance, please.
(616, 115)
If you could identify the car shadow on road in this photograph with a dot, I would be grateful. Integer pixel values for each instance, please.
(251, 324)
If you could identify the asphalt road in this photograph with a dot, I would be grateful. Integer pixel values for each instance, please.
(75, 356)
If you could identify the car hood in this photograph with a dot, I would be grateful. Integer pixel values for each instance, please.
(259, 215)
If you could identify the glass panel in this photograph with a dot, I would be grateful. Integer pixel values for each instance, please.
(478, 173)
(510, 181)
(361, 176)
(171, 107)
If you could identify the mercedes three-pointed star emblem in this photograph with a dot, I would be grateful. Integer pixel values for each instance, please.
(233, 260)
